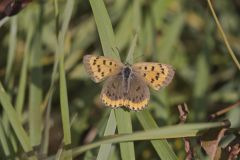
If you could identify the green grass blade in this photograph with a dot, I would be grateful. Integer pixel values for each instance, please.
(3, 21)
(158, 11)
(108, 44)
(63, 86)
(201, 85)
(129, 58)
(124, 125)
(4, 140)
(35, 88)
(175, 131)
(104, 27)
(230, 51)
(105, 149)
(162, 147)
(123, 31)
(15, 120)
(12, 47)
(12, 139)
(23, 76)
(170, 38)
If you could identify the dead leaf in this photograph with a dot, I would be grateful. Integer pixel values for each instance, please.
(210, 141)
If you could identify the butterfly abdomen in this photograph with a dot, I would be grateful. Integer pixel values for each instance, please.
(126, 75)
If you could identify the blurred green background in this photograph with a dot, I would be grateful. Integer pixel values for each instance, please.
(177, 32)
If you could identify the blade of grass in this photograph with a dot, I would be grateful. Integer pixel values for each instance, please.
(12, 139)
(108, 44)
(124, 125)
(35, 88)
(158, 11)
(169, 38)
(15, 121)
(23, 76)
(9, 78)
(162, 147)
(105, 149)
(201, 85)
(175, 131)
(104, 28)
(63, 86)
(48, 98)
(230, 51)
(4, 141)
(12, 48)
(129, 58)
(123, 31)
(3, 21)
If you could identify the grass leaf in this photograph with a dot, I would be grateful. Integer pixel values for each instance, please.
(162, 147)
(108, 44)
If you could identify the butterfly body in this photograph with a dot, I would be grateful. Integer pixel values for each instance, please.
(126, 74)
(126, 85)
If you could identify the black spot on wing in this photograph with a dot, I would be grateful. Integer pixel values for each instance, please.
(138, 88)
(102, 74)
(94, 62)
(152, 80)
(152, 68)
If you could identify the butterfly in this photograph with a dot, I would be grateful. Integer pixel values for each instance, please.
(127, 85)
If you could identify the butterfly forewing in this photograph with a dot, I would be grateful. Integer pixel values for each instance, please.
(155, 75)
(99, 67)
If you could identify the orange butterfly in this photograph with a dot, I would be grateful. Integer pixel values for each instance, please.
(126, 85)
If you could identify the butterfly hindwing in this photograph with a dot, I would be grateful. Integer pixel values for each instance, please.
(100, 67)
(112, 92)
(155, 75)
(138, 95)
(136, 98)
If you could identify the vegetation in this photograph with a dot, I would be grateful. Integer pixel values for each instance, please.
(50, 109)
